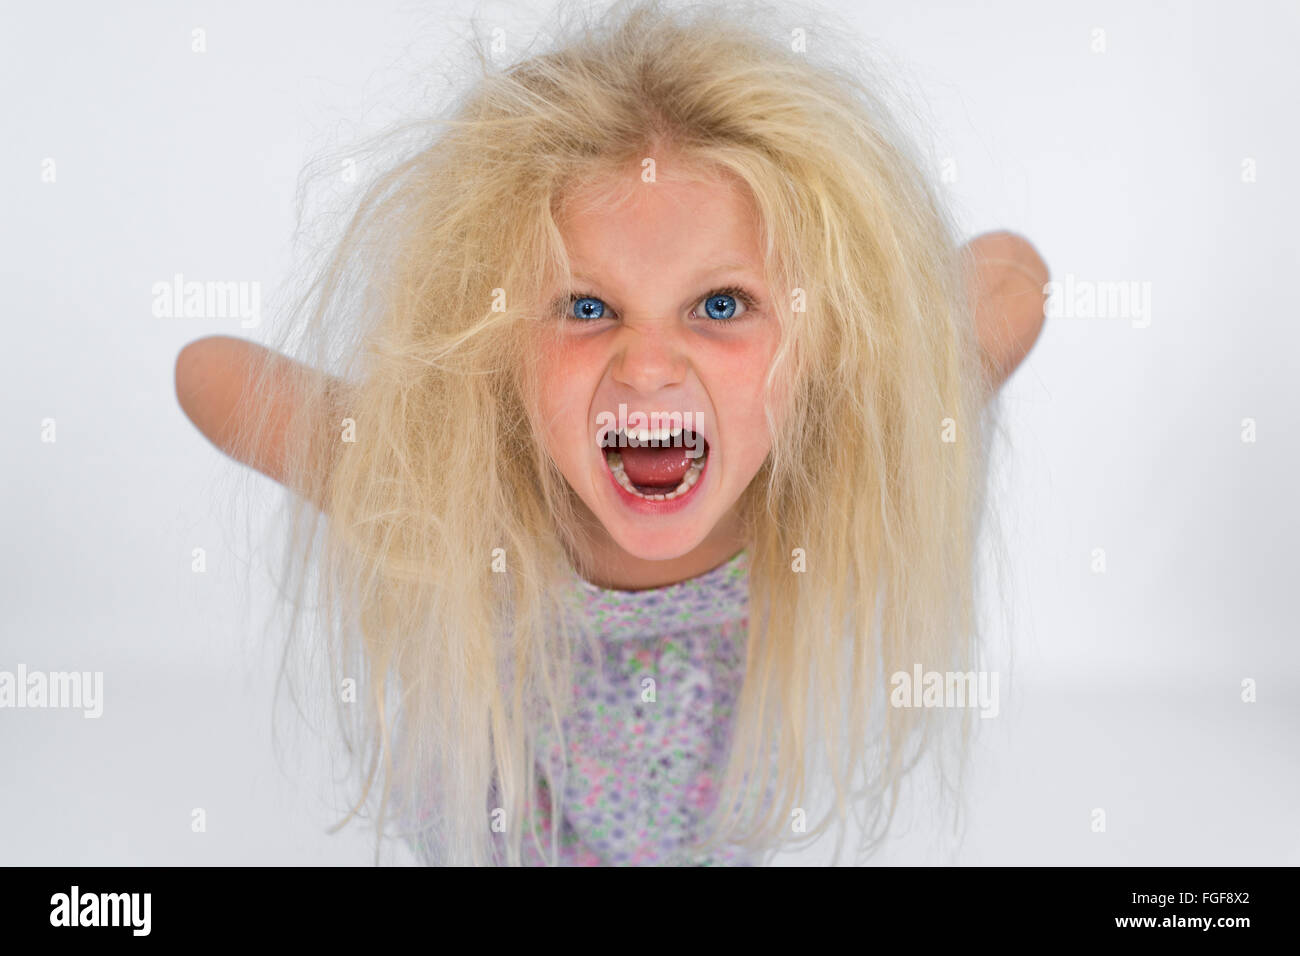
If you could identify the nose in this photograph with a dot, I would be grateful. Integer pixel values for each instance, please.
(649, 359)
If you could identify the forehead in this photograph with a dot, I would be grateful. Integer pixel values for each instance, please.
(619, 225)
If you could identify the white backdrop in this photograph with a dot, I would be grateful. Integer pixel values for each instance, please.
(1160, 152)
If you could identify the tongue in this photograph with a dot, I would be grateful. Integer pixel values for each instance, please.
(656, 467)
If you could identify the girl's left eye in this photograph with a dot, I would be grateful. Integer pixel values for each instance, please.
(722, 305)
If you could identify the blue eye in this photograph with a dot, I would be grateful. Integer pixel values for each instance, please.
(720, 306)
(588, 307)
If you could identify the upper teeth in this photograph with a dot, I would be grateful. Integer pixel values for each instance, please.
(643, 436)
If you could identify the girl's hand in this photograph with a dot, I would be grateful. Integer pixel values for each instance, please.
(213, 376)
(1009, 300)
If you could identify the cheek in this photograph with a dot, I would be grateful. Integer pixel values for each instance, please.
(743, 363)
(564, 396)
(741, 376)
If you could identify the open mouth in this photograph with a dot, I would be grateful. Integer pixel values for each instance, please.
(657, 465)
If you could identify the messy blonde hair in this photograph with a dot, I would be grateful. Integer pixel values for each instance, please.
(427, 469)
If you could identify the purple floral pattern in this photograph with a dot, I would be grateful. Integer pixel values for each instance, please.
(642, 773)
(643, 769)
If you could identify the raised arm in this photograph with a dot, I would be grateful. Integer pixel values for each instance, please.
(1009, 312)
(214, 376)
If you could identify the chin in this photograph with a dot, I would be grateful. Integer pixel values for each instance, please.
(647, 544)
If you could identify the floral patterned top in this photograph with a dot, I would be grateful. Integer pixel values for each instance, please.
(649, 729)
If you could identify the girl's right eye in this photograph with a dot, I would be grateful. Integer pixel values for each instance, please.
(585, 307)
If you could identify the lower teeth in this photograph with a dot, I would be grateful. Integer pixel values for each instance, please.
(687, 483)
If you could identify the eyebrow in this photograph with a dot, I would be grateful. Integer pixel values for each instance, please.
(702, 274)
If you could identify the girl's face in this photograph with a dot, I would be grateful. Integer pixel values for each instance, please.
(673, 321)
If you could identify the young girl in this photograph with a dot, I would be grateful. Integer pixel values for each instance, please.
(645, 400)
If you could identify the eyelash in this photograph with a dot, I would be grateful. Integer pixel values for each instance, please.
(735, 292)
